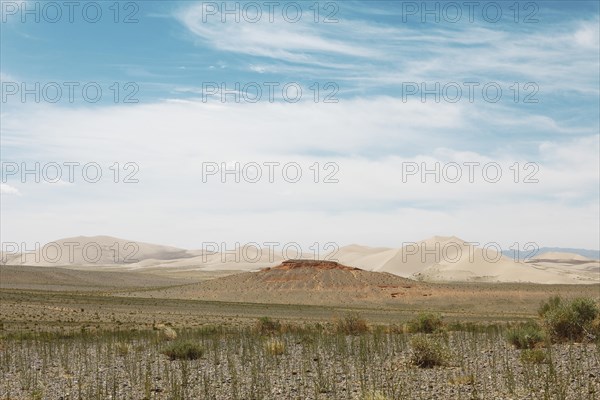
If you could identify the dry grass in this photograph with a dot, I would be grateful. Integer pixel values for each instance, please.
(275, 347)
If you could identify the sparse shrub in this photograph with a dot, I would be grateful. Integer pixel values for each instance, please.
(586, 309)
(267, 326)
(377, 395)
(569, 320)
(551, 304)
(37, 394)
(351, 324)
(166, 333)
(463, 380)
(425, 323)
(428, 351)
(183, 351)
(533, 356)
(275, 347)
(526, 336)
(122, 349)
(595, 327)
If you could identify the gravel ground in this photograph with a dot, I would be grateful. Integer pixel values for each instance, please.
(312, 366)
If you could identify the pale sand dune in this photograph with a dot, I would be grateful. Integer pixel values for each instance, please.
(450, 259)
(438, 259)
(94, 250)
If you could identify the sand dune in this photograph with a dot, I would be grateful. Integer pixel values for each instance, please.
(450, 259)
(94, 251)
(438, 259)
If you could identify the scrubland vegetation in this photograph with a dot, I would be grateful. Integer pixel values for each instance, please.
(555, 357)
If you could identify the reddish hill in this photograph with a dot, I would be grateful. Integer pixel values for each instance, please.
(306, 282)
(313, 264)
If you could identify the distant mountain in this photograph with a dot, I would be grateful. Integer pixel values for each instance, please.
(437, 259)
(591, 254)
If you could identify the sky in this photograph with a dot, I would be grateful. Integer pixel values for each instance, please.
(369, 122)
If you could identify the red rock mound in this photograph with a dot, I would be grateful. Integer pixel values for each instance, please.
(312, 264)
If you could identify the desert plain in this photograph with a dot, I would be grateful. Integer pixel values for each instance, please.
(276, 328)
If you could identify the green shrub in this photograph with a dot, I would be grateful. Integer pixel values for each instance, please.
(585, 309)
(569, 320)
(425, 323)
(267, 326)
(351, 324)
(552, 304)
(428, 351)
(183, 351)
(533, 356)
(526, 336)
(594, 328)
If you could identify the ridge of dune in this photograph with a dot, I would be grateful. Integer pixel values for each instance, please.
(94, 250)
(451, 259)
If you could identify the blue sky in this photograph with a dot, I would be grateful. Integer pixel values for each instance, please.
(372, 54)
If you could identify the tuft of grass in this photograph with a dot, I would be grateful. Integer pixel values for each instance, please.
(425, 323)
(351, 324)
(275, 347)
(122, 349)
(268, 326)
(184, 350)
(533, 356)
(428, 352)
(377, 395)
(569, 320)
(462, 380)
(526, 336)
(166, 333)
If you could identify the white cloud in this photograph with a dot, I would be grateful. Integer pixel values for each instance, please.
(9, 190)
(588, 35)
(368, 139)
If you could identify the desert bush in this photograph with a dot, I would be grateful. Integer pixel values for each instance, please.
(468, 379)
(375, 396)
(425, 323)
(551, 304)
(428, 351)
(351, 324)
(184, 350)
(267, 326)
(569, 320)
(275, 347)
(166, 332)
(595, 327)
(526, 336)
(533, 356)
(122, 349)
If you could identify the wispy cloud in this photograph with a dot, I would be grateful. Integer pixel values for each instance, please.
(369, 54)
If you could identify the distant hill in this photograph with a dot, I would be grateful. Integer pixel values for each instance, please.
(304, 282)
(437, 259)
(590, 254)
